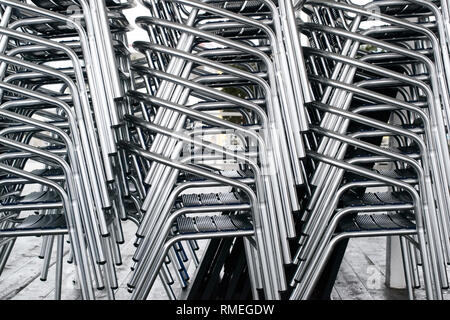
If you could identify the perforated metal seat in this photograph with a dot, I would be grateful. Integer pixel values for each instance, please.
(416, 127)
(233, 174)
(41, 222)
(211, 199)
(376, 199)
(34, 200)
(411, 151)
(364, 222)
(399, 174)
(187, 225)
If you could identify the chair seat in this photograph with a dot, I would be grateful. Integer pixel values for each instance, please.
(62, 6)
(371, 222)
(48, 172)
(416, 127)
(232, 174)
(398, 174)
(187, 225)
(211, 199)
(411, 151)
(33, 201)
(41, 222)
(351, 199)
(39, 197)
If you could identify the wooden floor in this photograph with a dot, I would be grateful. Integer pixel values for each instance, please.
(361, 277)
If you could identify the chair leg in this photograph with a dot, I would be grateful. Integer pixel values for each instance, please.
(6, 252)
(167, 287)
(406, 255)
(43, 247)
(47, 257)
(59, 266)
(414, 265)
(426, 266)
(252, 267)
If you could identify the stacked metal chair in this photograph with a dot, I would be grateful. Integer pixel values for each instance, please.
(192, 52)
(362, 77)
(343, 115)
(60, 88)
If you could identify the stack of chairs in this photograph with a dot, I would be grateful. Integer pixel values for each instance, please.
(63, 74)
(376, 70)
(203, 58)
(364, 74)
(339, 129)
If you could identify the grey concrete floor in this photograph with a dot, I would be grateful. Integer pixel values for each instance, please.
(361, 276)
